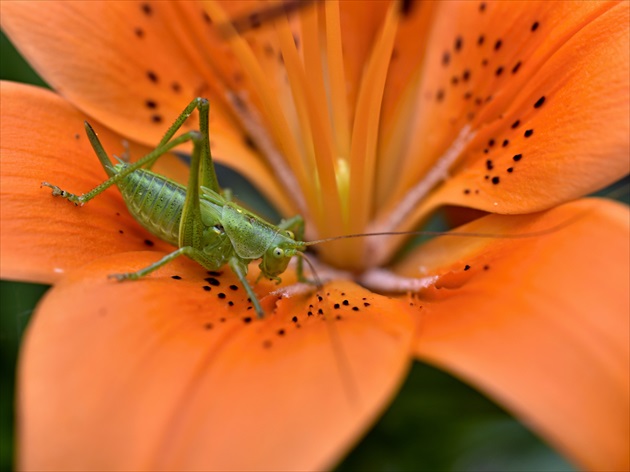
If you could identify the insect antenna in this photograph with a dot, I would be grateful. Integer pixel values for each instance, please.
(463, 234)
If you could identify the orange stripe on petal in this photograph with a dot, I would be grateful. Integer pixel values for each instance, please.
(162, 374)
(43, 139)
(540, 324)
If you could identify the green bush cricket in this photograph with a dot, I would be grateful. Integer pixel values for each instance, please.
(200, 219)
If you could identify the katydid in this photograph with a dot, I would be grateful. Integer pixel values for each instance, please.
(200, 219)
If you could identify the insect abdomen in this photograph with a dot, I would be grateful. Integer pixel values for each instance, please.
(155, 202)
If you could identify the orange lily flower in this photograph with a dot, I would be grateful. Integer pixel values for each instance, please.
(363, 119)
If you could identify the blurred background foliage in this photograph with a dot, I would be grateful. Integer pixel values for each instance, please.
(436, 423)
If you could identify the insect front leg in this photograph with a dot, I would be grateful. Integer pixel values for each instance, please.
(296, 225)
(239, 267)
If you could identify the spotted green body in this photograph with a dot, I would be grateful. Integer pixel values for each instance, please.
(200, 219)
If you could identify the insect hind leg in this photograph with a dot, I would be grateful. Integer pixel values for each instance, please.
(208, 175)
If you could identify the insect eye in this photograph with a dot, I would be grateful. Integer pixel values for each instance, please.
(278, 252)
(290, 234)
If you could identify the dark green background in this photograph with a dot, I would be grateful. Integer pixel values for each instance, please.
(436, 423)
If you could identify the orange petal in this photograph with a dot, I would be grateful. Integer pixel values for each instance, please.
(539, 323)
(136, 71)
(43, 139)
(554, 73)
(162, 374)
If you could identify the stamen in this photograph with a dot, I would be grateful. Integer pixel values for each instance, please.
(272, 108)
(337, 77)
(315, 131)
(390, 218)
(383, 281)
(366, 126)
(251, 122)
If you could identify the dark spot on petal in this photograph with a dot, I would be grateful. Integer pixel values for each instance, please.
(336, 306)
(468, 95)
(207, 288)
(489, 165)
(319, 297)
(266, 344)
(466, 267)
(454, 80)
(233, 287)
(338, 317)
(355, 308)
(212, 281)
(146, 9)
(280, 332)
(176, 277)
(294, 319)
(217, 274)
(535, 26)
(497, 45)
(446, 58)
(466, 191)
(539, 103)
(249, 142)
(458, 43)
(495, 180)
(482, 7)
(528, 133)
(176, 87)
(152, 76)
(366, 304)
(150, 104)
(440, 95)
(405, 7)
(247, 319)
(517, 157)
(481, 40)
(486, 267)
(466, 75)
(230, 303)
(149, 243)
(206, 17)
(515, 124)
(505, 143)
(491, 143)
(320, 311)
(121, 231)
(516, 67)
(484, 62)
(221, 295)
(139, 32)
(156, 118)
(208, 326)
(510, 169)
